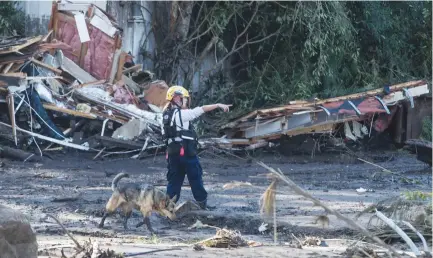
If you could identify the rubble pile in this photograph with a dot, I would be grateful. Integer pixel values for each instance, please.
(76, 88)
(355, 117)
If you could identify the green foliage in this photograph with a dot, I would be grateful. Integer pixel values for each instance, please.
(11, 19)
(417, 196)
(426, 133)
(320, 48)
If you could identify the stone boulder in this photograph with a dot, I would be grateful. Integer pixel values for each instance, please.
(17, 238)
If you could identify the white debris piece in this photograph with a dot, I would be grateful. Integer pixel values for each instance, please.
(197, 224)
(263, 227)
(361, 190)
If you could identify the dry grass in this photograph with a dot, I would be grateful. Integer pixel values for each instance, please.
(236, 184)
(225, 238)
(360, 251)
(268, 199)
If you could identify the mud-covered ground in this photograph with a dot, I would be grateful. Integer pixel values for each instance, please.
(333, 178)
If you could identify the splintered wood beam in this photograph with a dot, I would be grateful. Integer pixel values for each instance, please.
(46, 138)
(69, 112)
(92, 83)
(133, 68)
(16, 49)
(371, 93)
(46, 66)
(122, 59)
(11, 106)
(8, 67)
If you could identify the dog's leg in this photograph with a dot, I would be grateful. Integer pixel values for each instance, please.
(110, 207)
(106, 214)
(146, 221)
(141, 223)
(125, 219)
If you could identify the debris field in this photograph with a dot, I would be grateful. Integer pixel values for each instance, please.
(75, 110)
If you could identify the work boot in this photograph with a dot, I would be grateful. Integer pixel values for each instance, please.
(205, 206)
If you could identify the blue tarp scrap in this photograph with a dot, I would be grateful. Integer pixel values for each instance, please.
(37, 106)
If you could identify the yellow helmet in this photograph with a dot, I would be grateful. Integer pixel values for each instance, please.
(176, 90)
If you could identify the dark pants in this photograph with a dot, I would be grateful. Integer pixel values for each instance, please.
(177, 168)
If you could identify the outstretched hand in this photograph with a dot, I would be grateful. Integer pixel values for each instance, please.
(224, 107)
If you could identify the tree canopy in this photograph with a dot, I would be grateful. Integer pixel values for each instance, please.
(269, 53)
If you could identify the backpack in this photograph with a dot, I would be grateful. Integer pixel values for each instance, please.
(189, 137)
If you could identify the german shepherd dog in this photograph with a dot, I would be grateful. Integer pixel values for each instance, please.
(144, 198)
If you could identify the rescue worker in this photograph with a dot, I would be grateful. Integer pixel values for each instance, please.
(181, 141)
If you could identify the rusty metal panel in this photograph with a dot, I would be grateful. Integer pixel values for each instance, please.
(415, 116)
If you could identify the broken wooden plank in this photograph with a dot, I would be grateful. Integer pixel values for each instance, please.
(46, 66)
(131, 84)
(73, 69)
(11, 107)
(15, 75)
(69, 112)
(45, 38)
(81, 26)
(134, 68)
(120, 64)
(7, 67)
(102, 22)
(72, 6)
(137, 156)
(118, 119)
(99, 82)
(114, 65)
(372, 93)
(16, 66)
(15, 49)
(46, 138)
(128, 111)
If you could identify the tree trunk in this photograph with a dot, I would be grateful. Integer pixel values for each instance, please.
(169, 34)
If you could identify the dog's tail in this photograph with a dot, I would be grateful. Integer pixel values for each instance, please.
(117, 179)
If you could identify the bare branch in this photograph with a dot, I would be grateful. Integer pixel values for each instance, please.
(197, 29)
(399, 231)
(424, 243)
(66, 231)
(316, 201)
(246, 27)
(206, 32)
(199, 36)
(221, 61)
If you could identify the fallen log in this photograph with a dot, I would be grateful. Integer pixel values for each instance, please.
(18, 154)
(67, 198)
(423, 150)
